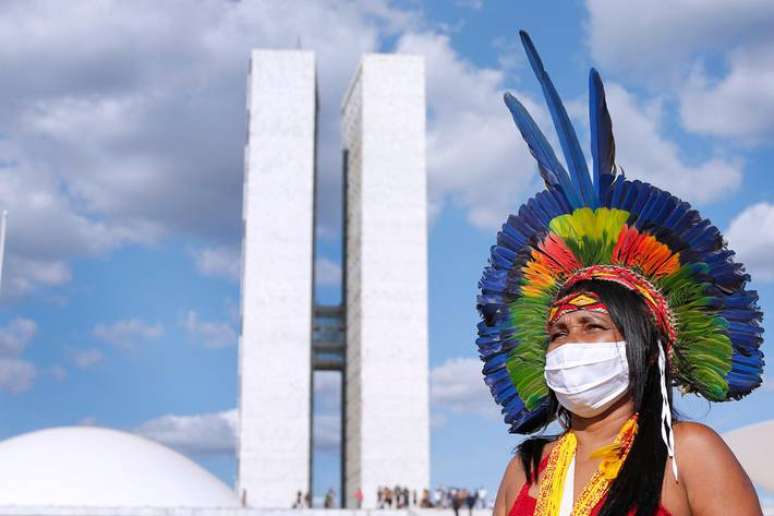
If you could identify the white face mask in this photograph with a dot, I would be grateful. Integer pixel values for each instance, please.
(588, 377)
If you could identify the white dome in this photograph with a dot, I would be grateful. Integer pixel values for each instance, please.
(91, 466)
(754, 448)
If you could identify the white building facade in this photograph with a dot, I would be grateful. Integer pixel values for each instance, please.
(383, 320)
(278, 210)
(387, 415)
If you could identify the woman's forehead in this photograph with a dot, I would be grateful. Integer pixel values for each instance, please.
(579, 316)
(574, 302)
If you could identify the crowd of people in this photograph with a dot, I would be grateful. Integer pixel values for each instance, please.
(401, 497)
(440, 498)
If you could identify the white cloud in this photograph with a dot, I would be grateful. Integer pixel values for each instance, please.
(58, 372)
(645, 154)
(87, 421)
(212, 334)
(470, 4)
(327, 272)
(751, 235)
(128, 130)
(16, 375)
(126, 334)
(15, 336)
(24, 275)
(47, 227)
(327, 432)
(740, 104)
(210, 433)
(221, 261)
(86, 358)
(438, 419)
(657, 40)
(476, 158)
(327, 390)
(670, 46)
(216, 432)
(458, 385)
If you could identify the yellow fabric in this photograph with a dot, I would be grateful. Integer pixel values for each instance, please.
(552, 485)
(613, 456)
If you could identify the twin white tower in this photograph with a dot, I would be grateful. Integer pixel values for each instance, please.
(377, 338)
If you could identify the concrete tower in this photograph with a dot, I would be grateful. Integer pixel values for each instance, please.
(377, 338)
(275, 351)
(387, 420)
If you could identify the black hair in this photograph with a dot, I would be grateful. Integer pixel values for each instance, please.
(638, 484)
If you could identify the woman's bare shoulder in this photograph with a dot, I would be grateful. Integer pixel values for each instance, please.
(690, 433)
(513, 480)
(700, 449)
(514, 475)
(712, 476)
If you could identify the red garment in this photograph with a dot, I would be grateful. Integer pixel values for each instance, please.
(524, 505)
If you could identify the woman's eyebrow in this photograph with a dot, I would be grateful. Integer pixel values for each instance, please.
(591, 316)
(557, 325)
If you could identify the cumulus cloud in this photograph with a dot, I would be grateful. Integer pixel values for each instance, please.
(645, 154)
(327, 391)
(476, 159)
(128, 130)
(458, 385)
(672, 46)
(210, 433)
(211, 334)
(215, 433)
(58, 372)
(656, 40)
(16, 374)
(87, 421)
(740, 104)
(221, 261)
(86, 358)
(470, 4)
(327, 272)
(327, 432)
(15, 336)
(128, 333)
(751, 235)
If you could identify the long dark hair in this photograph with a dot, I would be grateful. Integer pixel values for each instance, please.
(638, 484)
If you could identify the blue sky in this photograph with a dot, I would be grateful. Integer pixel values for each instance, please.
(121, 142)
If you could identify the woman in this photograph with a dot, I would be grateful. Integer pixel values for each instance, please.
(645, 481)
(599, 297)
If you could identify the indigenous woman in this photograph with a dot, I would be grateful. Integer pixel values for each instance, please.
(600, 296)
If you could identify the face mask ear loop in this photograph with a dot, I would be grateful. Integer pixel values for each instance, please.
(667, 433)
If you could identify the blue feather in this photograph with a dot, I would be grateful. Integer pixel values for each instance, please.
(602, 141)
(492, 378)
(495, 362)
(576, 162)
(519, 238)
(618, 193)
(549, 204)
(551, 170)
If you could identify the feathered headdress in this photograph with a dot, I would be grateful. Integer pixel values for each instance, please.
(614, 229)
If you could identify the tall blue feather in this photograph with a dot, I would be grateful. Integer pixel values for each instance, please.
(551, 170)
(602, 141)
(576, 162)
